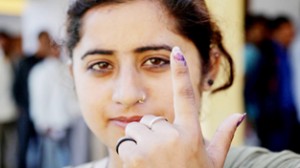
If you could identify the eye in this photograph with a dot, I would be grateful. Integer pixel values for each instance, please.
(101, 67)
(156, 62)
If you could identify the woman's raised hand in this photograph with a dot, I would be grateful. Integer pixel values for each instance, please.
(158, 143)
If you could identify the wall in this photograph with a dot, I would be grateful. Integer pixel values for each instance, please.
(272, 8)
(229, 15)
(42, 15)
(11, 7)
(11, 24)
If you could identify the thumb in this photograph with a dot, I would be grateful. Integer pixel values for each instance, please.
(219, 146)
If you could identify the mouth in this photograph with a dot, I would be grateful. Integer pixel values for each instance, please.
(123, 121)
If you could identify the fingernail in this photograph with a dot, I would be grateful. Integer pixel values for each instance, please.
(241, 120)
(178, 56)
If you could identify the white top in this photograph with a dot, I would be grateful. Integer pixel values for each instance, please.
(52, 100)
(8, 108)
(103, 163)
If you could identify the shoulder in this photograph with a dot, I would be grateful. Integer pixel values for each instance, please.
(86, 165)
(36, 73)
(26, 62)
(96, 164)
(260, 157)
(45, 67)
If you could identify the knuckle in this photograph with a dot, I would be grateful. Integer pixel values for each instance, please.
(187, 92)
(173, 137)
(131, 126)
(174, 134)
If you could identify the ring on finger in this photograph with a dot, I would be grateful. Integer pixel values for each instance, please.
(121, 140)
(156, 119)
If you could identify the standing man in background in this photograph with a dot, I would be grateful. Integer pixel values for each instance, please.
(28, 141)
(8, 111)
(277, 124)
(53, 109)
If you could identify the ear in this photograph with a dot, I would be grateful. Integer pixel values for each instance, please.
(70, 67)
(210, 77)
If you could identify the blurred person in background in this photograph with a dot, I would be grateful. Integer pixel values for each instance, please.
(16, 51)
(295, 53)
(255, 33)
(8, 111)
(53, 109)
(28, 141)
(12, 48)
(277, 123)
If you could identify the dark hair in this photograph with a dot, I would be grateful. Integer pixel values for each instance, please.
(4, 34)
(279, 21)
(43, 33)
(193, 22)
(252, 20)
(6, 39)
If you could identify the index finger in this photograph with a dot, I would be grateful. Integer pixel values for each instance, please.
(186, 112)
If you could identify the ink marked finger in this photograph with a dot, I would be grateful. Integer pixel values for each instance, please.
(185, 109)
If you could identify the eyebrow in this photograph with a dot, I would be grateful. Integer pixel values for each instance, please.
(153, 47)
(137, 50)
(98, 52)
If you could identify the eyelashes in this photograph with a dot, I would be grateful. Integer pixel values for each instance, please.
(156, 62)
(101, 67)
(152, 64)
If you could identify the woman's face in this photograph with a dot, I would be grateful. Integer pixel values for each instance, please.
(124, 54)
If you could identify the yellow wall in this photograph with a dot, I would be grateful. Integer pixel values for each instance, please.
(11, 7)
(229, 16)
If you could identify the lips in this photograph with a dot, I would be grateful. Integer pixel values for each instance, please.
(123, 121)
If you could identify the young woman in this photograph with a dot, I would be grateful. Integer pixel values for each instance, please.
(140, 67)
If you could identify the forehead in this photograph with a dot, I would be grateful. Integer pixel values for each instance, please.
(147, 11)
(131, 21)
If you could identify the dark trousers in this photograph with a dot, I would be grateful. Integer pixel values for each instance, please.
(8, 143)
(27, 138)
(279, 131)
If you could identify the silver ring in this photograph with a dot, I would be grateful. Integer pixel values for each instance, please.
(141, 101)
(156, 119)
(121, 140)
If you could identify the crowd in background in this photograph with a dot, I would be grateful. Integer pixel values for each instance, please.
(40, 121)
(271, 90)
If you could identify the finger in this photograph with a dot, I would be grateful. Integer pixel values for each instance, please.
(184, 99)
(156, 123)
(137, 131)
(126, 148)
(220, 144)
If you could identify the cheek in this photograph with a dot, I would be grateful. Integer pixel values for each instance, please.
(92, 104)
(161, 96)
(91, 98)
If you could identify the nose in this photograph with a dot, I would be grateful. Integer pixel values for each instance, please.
(128, 89)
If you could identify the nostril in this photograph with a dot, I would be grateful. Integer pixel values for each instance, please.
(128, 91)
